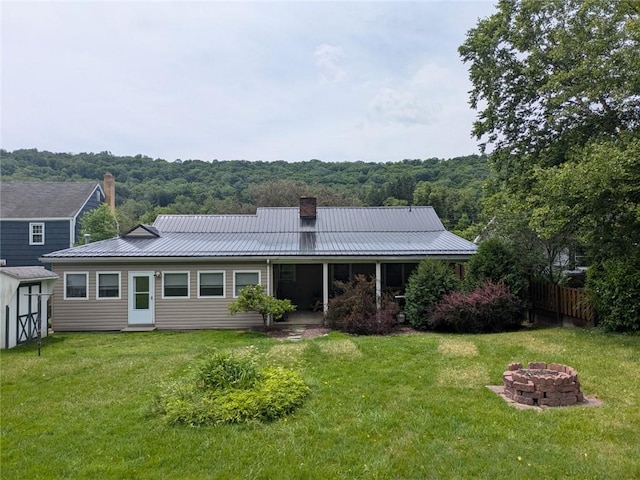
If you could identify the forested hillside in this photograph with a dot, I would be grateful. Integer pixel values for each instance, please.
(146, 187)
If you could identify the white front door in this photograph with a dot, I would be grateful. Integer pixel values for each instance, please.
(141, 288)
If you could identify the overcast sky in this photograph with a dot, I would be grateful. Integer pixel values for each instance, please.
(294, 81)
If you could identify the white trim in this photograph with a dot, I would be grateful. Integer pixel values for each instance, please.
(86, 276)
(224, 283)
(98, 297)
(31, 234)
(93, 192)
(173, 297)
(245, 271)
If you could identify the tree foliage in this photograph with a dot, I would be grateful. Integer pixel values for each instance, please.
(428, 283)
(99, 223)
(146, 187)
(253, 298)
(557, 88)
(551, 75)
(497, 262)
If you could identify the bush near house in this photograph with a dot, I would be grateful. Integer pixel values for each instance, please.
(355, 309)
(489, 308)
(496, 261)
(432, 280)
(230, 389)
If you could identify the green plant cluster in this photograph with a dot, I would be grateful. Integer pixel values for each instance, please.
(490, 299)
(231, 389)
(355, 310)
(431, 281)
(614, 291)
(490, 308)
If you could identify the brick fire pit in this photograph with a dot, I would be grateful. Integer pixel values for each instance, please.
(552, 385)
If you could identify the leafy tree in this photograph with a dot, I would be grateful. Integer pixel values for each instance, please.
(253, 298)
(557, 89)
(548, 76)
(100, 223)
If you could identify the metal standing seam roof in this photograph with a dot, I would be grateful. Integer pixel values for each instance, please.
(34, 200)
(280, 232)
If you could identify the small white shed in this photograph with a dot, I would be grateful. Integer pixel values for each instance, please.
(24, 292)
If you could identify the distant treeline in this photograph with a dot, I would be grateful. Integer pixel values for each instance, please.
(146, 187)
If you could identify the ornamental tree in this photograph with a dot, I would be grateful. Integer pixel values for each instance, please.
(253, 298)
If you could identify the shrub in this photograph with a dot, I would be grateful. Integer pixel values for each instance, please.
(496, 261)
(614, 291)
(426, 286)
(229, 389)
(489, 308)
(222, 370)
(355, 310)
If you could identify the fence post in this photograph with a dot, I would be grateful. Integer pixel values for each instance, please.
(6, 325)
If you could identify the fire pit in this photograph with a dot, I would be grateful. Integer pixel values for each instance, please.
(552, 385)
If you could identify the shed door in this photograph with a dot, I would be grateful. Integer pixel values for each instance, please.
(141, 288)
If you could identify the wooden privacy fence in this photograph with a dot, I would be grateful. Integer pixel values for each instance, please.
(565, 301)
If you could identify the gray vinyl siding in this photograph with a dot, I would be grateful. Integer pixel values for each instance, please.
(202, 313)
(14, 241)
(89, 315)
(170, 313)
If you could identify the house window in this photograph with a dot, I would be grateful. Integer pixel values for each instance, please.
(36, 234)
(175, 284)
(76, 285)
(244, 279)
(210, 284)
(108, 285)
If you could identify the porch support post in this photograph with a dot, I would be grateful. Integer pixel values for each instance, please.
(378, 285)
(325, 286)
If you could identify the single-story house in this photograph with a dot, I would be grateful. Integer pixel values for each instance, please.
(24, 292)
(182, 272)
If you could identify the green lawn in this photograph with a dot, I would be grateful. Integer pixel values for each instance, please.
(412, 406)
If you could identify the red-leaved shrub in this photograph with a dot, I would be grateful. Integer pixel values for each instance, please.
(489, 308)
(355, 310)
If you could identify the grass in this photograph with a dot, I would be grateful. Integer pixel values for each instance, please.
(391, 407)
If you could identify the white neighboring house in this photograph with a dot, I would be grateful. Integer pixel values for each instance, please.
(24, 292)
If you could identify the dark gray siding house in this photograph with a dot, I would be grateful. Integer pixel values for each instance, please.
(182, 272)
(39, 218)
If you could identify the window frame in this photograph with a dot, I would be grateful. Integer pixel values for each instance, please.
(287, 272)
(32, 234)
(176, 297)
(98, 297)
(235, 284)
(224, 283)
(86, 284)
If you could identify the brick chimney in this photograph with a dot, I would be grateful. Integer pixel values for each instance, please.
(308, 207)
(110, 190)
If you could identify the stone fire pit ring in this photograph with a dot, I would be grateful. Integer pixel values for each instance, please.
(552, 385)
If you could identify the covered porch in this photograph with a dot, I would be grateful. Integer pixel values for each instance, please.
(309, 286)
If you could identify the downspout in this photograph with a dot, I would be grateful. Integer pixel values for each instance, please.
(269, 319)
(72, 231)
(378, 285)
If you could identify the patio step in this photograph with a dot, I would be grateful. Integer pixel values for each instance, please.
(138, 328)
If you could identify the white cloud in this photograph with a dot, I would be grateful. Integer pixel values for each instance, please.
(328, 59)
